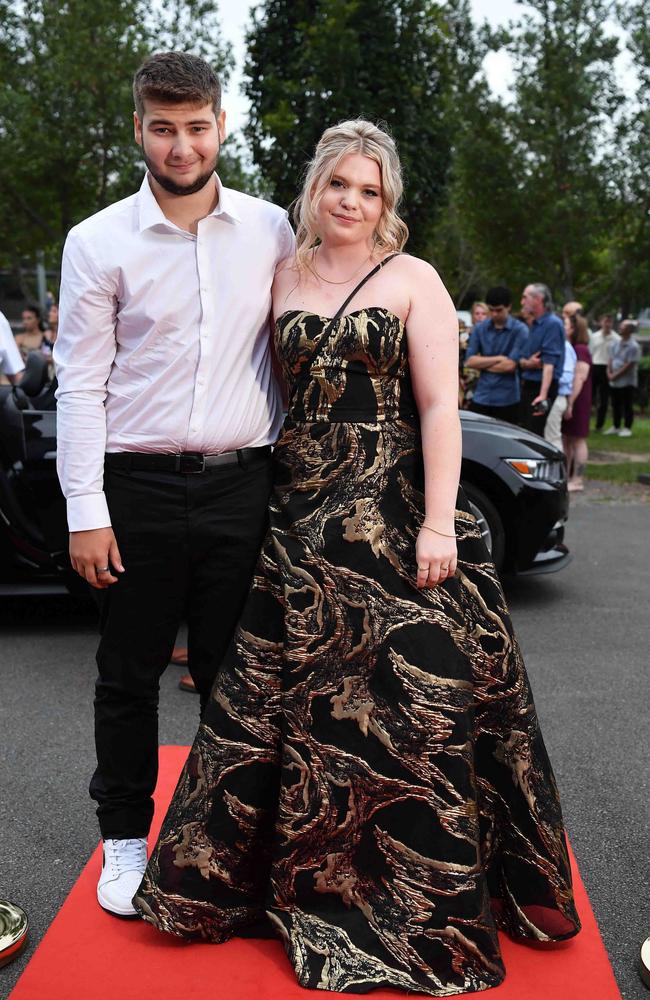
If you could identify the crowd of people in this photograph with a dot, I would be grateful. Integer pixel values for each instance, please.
(544, 371)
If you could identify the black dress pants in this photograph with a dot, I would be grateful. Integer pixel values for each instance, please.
(600, 389)
(623, 405)
(529, 391)
(509, 413)
(189, 545)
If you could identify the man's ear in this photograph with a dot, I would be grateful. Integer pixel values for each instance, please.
(137, 128)
(221, 125)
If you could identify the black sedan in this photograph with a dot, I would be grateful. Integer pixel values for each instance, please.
(514, 481)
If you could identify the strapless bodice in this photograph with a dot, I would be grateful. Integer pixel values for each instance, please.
(358, 372)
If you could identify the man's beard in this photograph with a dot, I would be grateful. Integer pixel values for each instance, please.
(181, 189)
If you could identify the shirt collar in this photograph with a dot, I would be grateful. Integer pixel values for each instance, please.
(507, 326)
(150, 213)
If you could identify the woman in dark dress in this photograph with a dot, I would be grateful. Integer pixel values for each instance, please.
(369, 779)
(575, 423)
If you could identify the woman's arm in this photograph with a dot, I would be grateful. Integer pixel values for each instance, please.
(580, 376)
(433, 356)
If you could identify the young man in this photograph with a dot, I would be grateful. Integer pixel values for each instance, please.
(495, 346)
(167, 412)
(600, 343)
(542, 366)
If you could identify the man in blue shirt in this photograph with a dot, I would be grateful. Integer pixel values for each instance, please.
(495, 346)
(542, 367)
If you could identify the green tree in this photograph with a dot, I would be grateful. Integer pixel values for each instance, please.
(529, 181)
(66, 108)
(627, 252)
(312, 63)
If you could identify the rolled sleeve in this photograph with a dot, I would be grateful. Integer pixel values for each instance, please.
(83, 354)
(552, 348)
(519, 347)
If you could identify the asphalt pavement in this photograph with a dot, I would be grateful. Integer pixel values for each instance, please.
(585, 633)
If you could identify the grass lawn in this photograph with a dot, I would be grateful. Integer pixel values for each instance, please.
(621, 471)
(639, 443)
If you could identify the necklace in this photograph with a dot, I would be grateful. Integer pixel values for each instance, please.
(329, 280)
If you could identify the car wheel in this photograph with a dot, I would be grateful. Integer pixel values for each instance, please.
(489, 522)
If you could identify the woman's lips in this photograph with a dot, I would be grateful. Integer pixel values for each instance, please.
(346, 220)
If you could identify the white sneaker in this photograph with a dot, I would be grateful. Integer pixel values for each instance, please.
(122, 871)
(611, 430)
(625, 432)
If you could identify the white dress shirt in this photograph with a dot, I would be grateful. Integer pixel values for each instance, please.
(11, 361)
(599, 345)
(163, 342)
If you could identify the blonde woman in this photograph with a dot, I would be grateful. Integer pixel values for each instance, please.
(479, 312)
(369, 779)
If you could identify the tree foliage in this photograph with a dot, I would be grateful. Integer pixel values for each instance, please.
(66, 106)
(312, 63)
(550, 184)
(628, 252)
(530, 184)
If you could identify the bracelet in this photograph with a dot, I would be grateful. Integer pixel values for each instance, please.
(435, 530)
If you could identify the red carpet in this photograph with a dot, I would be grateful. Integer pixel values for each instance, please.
(88, 955)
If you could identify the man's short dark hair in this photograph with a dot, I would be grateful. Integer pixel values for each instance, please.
(176, 78)
(500, 295)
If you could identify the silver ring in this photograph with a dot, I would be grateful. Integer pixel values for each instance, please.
(102, 569)
(423, 569)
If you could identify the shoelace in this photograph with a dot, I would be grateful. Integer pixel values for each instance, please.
(130, 856)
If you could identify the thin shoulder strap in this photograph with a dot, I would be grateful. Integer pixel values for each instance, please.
(325, 336)
(368, 276)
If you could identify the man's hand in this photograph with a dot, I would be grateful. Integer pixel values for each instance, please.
(93, 553)
(534, 361)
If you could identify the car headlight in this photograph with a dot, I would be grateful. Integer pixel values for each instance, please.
(545, 469)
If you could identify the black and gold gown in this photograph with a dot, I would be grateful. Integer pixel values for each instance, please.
(369, 777)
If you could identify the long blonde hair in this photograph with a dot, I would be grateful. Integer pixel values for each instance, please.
(356, 136)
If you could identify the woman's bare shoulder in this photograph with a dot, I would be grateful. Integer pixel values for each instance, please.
(416, 267)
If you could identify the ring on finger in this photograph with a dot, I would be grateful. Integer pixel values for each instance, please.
(102, 569)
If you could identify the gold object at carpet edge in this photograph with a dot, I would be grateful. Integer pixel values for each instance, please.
(644, 962)
(13, 931)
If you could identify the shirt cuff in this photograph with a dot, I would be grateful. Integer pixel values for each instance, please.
(88, 512)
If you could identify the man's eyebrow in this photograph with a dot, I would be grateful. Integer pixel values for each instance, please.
(166, 121)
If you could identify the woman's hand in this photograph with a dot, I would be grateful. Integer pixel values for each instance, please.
(436, 558)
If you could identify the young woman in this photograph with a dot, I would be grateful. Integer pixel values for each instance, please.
(369, 778)
(575, 422)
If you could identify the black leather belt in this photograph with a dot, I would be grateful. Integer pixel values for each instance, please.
(186, 462)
